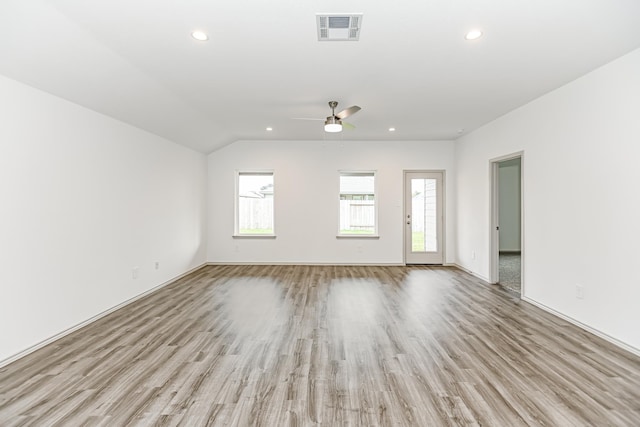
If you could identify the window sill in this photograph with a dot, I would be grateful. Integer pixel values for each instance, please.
(357, 236)
(254, 236)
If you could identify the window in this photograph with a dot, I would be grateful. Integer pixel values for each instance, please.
(357, 204)
(254, 203)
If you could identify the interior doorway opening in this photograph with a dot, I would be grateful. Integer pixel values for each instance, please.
(507, 224)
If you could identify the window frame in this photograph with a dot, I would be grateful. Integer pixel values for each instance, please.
(351, 172)
(236, 195)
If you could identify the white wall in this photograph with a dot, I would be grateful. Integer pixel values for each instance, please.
(581, 206)
(509, 205)
(85, 198)
(306, 199)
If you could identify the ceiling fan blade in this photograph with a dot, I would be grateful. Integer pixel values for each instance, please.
(347, 126)
(347, 112)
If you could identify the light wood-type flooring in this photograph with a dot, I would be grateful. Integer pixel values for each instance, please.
(324, 345)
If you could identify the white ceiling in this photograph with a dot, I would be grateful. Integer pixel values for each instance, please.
(263, 65)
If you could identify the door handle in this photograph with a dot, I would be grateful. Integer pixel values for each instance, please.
(408, 222)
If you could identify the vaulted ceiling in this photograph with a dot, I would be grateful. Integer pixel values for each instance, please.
(263, 65)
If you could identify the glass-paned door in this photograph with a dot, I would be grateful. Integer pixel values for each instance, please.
(423, 218)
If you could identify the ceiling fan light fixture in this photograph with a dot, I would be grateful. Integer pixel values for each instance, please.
(332, 125)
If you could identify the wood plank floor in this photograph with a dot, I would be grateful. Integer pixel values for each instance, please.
(319, 345)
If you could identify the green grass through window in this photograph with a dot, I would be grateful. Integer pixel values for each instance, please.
(417, 241)
(356, 231)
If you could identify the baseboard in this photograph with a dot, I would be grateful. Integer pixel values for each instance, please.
(68, 331)
(571, 320)
(581, 325)
(474, 274)
(72, 329)
(369, 264)
(309, 263)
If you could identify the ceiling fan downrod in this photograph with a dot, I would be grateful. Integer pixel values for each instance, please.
(333, 124)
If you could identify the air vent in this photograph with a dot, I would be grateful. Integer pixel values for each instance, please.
(339, 27)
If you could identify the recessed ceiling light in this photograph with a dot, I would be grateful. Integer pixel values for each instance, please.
(199, 35)
(392, 129)
(473, 35)
(269, 129)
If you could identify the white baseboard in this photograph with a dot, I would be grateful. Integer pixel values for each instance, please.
(66, 332)
(587, 328)
(571, 320)
(309, 263)
(466, 270)
(369, 264)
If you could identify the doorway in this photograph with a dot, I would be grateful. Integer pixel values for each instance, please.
(423, 217)
(507, 265)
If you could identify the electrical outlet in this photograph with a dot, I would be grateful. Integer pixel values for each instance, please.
(157, 265)
(579, 291)
(135, 272)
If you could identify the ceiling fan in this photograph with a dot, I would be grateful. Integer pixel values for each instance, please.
(334, 123)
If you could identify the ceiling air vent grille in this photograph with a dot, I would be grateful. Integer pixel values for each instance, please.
(339, 27)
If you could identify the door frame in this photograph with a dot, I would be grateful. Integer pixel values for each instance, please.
(494, 241)
(444, 211)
